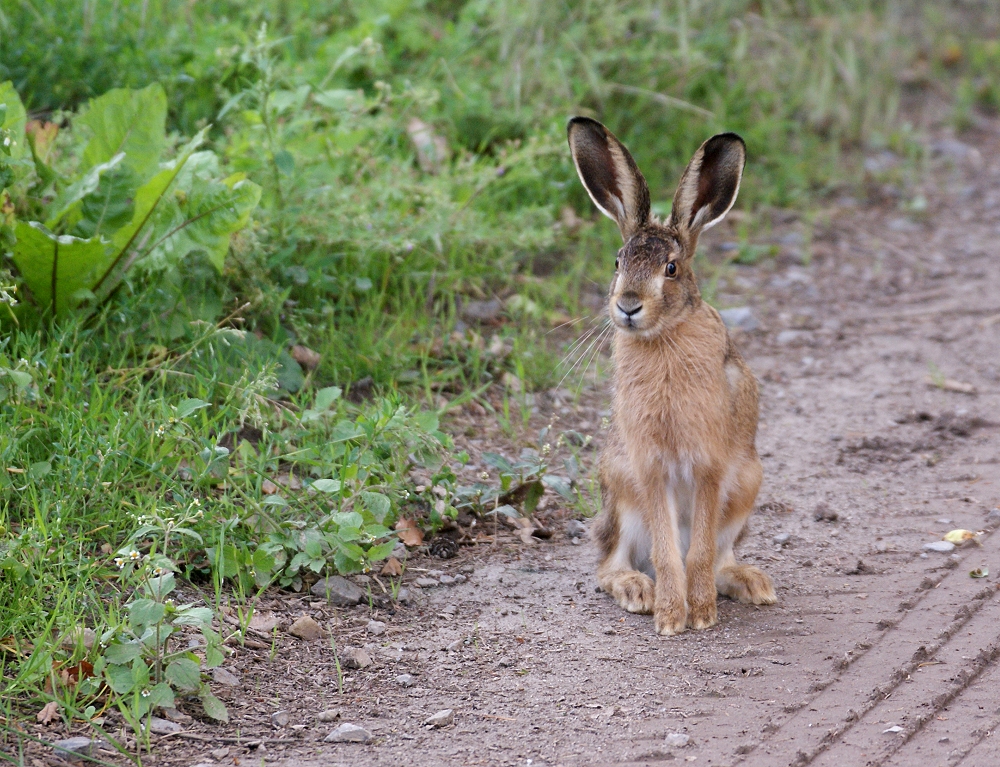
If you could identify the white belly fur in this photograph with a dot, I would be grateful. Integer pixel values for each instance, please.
(634, 544)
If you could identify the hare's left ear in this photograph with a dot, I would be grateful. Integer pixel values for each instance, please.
(609, 174)
(710, 184)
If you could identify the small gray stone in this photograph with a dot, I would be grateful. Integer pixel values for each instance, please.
(450, 610)
(460, 578)
(481, 311)
(447, 580)
(782, 539)
(220, 753)
(993, 518)
(338, 591)
(77, 747)
(426, 583)
(348, 733)
(942, 547)
(678, 739)
(456, 645)
(224, 677)
(159, 726)
(355, 657)
(575, 529)
(376, 628)
(942, 521)
(403, 596)
(406, 680)
(441, 718)
(280, 718)
(330, 715)
(399, 552)
(741, 317)
(793, 337)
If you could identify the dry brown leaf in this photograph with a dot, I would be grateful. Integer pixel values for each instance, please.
(305, 356)
(49, 712)
(950, 384)
(392, 567)
(267, 487)
(264, 623)
(409, 532)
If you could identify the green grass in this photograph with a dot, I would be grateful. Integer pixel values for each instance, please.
(152, 426)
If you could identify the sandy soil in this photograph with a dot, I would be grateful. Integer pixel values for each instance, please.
(878, 652)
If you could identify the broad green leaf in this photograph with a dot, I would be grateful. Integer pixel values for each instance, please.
(119, 678)
(193, 616)
(59, 270)
(214, 707)
(184, 675)
(349, 518)
(14, 120)
(263, 561)
(381, 551)
(161, 695)
(326, 397)
(561, 485)
(161, 585)
(497, 461)
(327, 485)
(122, 653)
(201, 214)
(87, 184)
(213, 656)
(145, 612)
(346, 561)
(188, 406)
(377, 504)
(129, 121)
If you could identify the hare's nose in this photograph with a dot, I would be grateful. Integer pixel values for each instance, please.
(629, 305)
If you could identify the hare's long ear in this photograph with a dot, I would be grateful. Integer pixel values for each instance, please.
(609, 174)
(710, 184)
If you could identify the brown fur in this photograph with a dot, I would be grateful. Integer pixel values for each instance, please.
(680, 465)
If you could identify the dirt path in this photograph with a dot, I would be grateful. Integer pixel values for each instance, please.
(878, 652)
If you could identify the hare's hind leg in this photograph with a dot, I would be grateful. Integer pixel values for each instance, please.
(744, 583)
(623, 540)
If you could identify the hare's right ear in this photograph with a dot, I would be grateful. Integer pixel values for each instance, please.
(609, 174)
(710, 184)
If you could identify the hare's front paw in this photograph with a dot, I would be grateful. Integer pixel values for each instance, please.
(746, 583)
(633, 591)
(670, 616)
(702, 614)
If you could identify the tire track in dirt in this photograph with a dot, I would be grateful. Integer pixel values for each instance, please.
(845, 722)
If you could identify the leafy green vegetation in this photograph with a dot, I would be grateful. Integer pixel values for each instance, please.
(198, 197)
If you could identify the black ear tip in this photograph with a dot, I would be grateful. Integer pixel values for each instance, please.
(587, 123)
(728, 138)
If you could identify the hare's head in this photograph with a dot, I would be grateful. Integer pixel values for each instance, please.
(654, 286)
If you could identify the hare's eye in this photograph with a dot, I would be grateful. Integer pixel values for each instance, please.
(616, 264)
(672, 269)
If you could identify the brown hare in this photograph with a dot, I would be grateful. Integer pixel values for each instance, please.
(679, 472)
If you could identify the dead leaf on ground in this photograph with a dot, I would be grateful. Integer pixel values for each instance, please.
(950, 384)
(305, 356)
(409, 532)
(290, 481)
(69, 676)
(49, 712)
(529, 530)
(392, 567)
(432, 150)
(980, 572)
(264, 623)
(958, 537)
